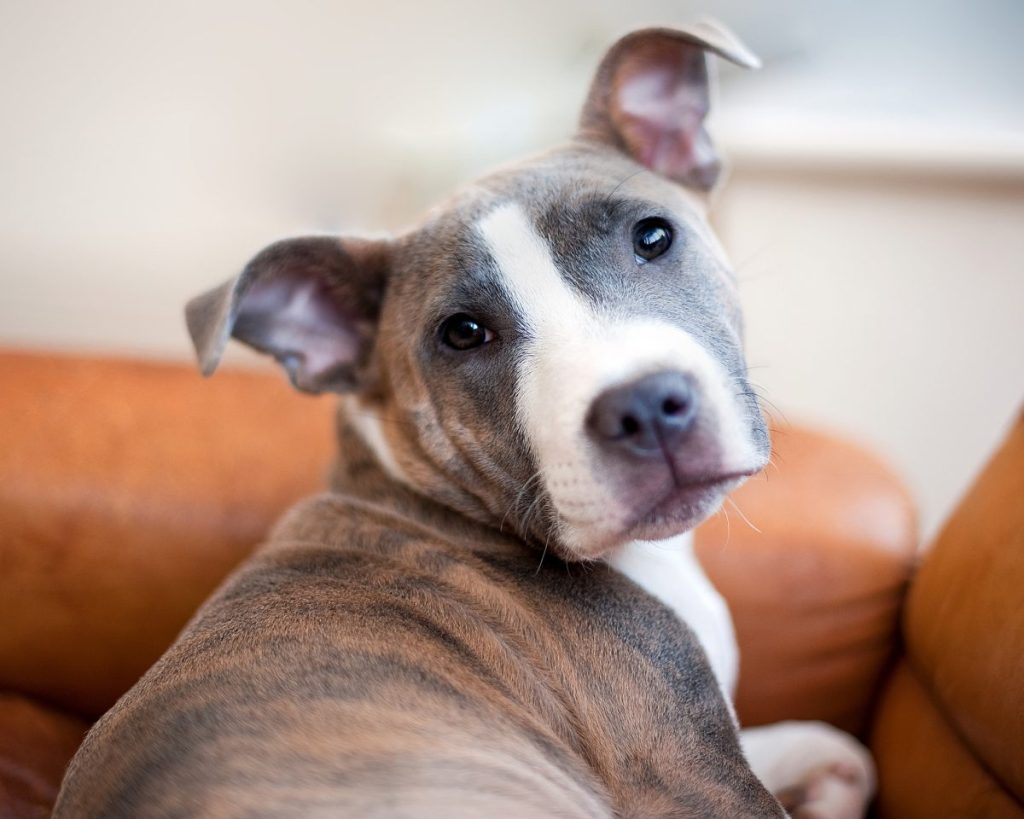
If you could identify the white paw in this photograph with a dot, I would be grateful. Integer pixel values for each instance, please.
(816, 771)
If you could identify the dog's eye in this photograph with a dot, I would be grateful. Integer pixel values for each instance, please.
(463, 332)
(651, 238)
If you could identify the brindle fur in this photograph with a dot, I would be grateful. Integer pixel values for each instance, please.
(391, 659)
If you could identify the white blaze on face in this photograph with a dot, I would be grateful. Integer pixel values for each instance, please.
(574, 353)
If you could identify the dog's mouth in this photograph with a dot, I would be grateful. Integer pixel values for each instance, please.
(690, 498)
(683, 506)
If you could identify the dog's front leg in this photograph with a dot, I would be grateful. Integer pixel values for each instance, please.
(813, 769)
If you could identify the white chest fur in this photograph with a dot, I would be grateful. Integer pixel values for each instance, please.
(669, 570)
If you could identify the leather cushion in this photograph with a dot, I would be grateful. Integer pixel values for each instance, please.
(127, 491)
(924, 768)
(36, 744)
(965, 616)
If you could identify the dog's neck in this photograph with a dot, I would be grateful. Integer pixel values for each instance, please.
(667, 569)
(361, 470)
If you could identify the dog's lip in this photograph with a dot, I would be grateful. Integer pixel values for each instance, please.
(682, 506)
(690, 493)
(711, 481)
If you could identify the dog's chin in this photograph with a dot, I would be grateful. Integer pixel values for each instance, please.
(681, 509)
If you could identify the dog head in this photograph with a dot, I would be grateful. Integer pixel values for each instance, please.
(556, 350)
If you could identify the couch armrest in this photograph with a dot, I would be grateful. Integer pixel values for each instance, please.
(950, 731)
(36, 744)
(128, 490)
(816, 593)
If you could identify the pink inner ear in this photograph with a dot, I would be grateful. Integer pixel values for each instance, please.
(294, 318)
(659, 107)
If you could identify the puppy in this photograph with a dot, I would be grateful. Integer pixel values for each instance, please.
(495, 611)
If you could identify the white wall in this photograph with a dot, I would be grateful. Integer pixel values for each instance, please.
(147, 149)
(889, 308)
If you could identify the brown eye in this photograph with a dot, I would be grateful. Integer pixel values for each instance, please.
(463, 332)
(651, 238)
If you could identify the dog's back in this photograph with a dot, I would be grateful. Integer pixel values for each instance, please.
(451, 675)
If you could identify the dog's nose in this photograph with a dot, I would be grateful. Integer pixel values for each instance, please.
(645, 416)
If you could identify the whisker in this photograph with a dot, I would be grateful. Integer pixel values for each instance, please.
(746, 520)
(543, 554)
(741, 269)
(759, 391)
(615, 190)
(526, 523)
(519, 496)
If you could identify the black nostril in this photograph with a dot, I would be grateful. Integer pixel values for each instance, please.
(673, 406)
(646, 416)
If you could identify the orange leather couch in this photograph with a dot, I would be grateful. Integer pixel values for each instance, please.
(128, 489)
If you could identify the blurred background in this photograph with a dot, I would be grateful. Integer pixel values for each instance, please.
(875, 211)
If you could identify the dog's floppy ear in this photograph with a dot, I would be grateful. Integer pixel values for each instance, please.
(312, 303)
(650, 96)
